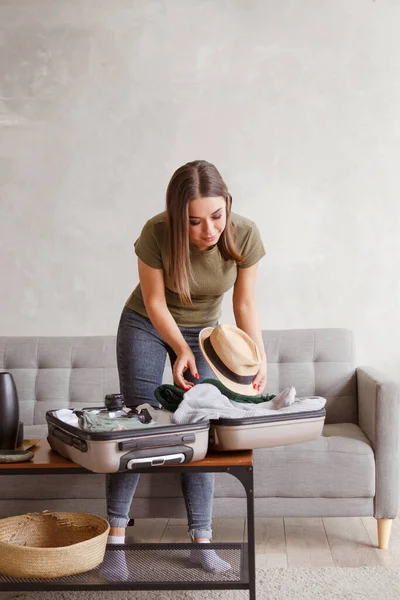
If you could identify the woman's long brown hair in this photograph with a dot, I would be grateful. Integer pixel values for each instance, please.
(197, 179)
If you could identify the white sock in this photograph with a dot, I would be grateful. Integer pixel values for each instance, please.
(114, 567)
(284, 398)
(208, 559)
(116, 539)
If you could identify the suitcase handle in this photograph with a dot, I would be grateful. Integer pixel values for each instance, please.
(168, 459)
(155, 457)
(69, 440)
(162, 440)
(62, 436)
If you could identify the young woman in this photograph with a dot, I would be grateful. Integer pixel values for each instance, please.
(188, 257)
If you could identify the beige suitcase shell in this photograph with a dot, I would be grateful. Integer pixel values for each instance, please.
(116, 451)
(266, 431)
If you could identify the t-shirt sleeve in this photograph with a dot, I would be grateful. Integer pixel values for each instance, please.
(147, 247)
(252, 248)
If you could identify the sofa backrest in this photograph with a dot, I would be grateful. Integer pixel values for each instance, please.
(59, 372)
(65, 372)
(317, 362)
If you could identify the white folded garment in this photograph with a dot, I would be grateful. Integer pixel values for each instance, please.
(67, 416)
(204, 401)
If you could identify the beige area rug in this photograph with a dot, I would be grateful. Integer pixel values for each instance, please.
(331, 583)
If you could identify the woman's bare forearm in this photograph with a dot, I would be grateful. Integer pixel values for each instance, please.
(166, 326)
(247, 318)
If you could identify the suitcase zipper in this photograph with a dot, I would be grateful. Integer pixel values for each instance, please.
(269, 418)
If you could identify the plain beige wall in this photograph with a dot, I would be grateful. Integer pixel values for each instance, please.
(297, 103)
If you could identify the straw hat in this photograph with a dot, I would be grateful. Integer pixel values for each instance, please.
(232, 355)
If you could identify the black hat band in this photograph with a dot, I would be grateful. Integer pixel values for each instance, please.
(222, 368)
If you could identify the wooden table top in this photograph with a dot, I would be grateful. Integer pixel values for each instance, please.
(45, 458)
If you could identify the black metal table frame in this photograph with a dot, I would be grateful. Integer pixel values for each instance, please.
(244, 473)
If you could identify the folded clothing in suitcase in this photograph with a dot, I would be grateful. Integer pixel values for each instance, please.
(113, 451)
(246, 426)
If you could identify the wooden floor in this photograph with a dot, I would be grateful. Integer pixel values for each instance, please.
(342, 542)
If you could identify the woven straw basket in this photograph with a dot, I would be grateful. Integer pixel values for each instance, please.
(51, 544)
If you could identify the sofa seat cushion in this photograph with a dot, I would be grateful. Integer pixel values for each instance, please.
(339, 464)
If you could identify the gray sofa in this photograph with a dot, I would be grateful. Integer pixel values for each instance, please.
(352, 470)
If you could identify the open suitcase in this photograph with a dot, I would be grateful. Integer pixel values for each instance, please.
(266, 431)
(113, 451)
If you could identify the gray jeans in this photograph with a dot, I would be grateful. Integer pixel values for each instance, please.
(141, 356)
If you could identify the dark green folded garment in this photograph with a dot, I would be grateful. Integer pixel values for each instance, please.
(170, 396)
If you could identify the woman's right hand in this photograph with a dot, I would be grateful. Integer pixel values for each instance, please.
(184, 360)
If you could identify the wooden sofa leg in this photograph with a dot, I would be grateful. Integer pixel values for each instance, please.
(384, 528)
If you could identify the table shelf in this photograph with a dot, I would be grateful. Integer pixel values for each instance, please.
(147, 567)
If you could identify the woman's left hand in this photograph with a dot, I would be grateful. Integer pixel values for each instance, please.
(260, 380)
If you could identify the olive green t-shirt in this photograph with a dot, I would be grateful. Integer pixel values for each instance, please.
(212, 274)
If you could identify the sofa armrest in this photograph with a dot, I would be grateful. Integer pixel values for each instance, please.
(379, 418)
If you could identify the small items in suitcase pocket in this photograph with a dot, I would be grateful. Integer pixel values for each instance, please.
(112, 417)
